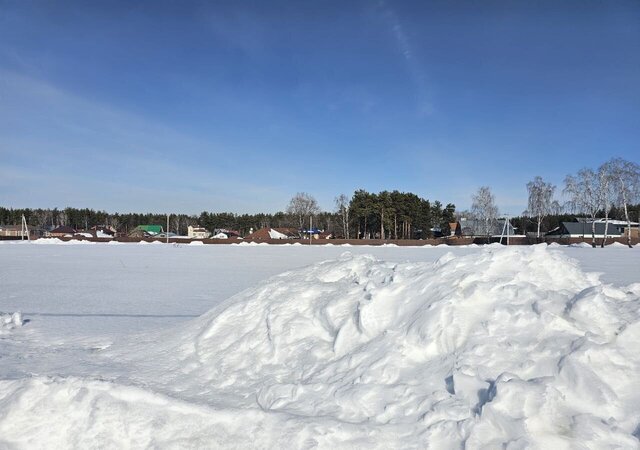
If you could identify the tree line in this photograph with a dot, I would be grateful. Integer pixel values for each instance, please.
(612, 191)
(364, 215)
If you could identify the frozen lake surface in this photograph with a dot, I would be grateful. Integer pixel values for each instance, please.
(483, 345)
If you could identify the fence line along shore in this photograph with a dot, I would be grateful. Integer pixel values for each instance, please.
(453, 241)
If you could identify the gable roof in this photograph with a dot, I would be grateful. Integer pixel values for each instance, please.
(155, 229)
(63, 229)
(274, 233)
(583, 228)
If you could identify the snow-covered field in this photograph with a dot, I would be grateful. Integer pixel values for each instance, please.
(196, 346)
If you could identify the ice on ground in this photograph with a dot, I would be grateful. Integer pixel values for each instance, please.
(10, 321)
(617, 245)
(581, 245)
(48, 241)
(80, 242)
(502, 347)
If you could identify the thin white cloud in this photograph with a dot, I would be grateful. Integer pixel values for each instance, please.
(415, 69)
(60, 149)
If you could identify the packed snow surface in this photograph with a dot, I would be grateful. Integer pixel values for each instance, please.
(484, 348)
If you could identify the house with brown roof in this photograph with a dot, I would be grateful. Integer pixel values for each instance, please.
(455, 229)
(274, 233)
(61, 231)
(18, 232)
(230, 234)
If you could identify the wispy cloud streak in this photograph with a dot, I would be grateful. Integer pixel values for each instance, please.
(414, 67)
(82, 149)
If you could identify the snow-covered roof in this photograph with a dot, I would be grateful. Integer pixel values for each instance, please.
(274, 234)
(616, 222)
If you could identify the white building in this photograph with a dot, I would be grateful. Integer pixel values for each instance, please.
(197, 232)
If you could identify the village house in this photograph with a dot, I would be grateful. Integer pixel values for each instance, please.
(455, 229)
(225, 233)
(61, 231)
(103, 231)
(18, 232)
(143, 231)
(197, 232)
(274, 233)
(584, 229)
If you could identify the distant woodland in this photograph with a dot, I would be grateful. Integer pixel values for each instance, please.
(395, 214)
(611, 192)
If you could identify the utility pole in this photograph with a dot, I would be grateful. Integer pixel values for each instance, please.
(167, 232)
(508, 223)
(310, 228)
(505, 229)
(24, 229)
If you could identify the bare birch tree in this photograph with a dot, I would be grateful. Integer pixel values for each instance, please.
(584, 196)
(62, 219)
(342, 208)
(302, 206)
(174, 223)
(484, 209)
(607, 194)
(625, 177)
(541, 202)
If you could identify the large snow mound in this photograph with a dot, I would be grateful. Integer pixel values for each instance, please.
(506, 347)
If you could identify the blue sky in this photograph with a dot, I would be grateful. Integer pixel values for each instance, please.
(236, 106)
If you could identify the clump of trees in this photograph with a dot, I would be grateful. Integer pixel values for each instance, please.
(616, 184)
(396, 215)
(612, 191)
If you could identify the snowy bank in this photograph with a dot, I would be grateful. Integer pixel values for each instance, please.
(503, 347)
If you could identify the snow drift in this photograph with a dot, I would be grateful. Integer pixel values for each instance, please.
(9, 321)
(508, 347)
